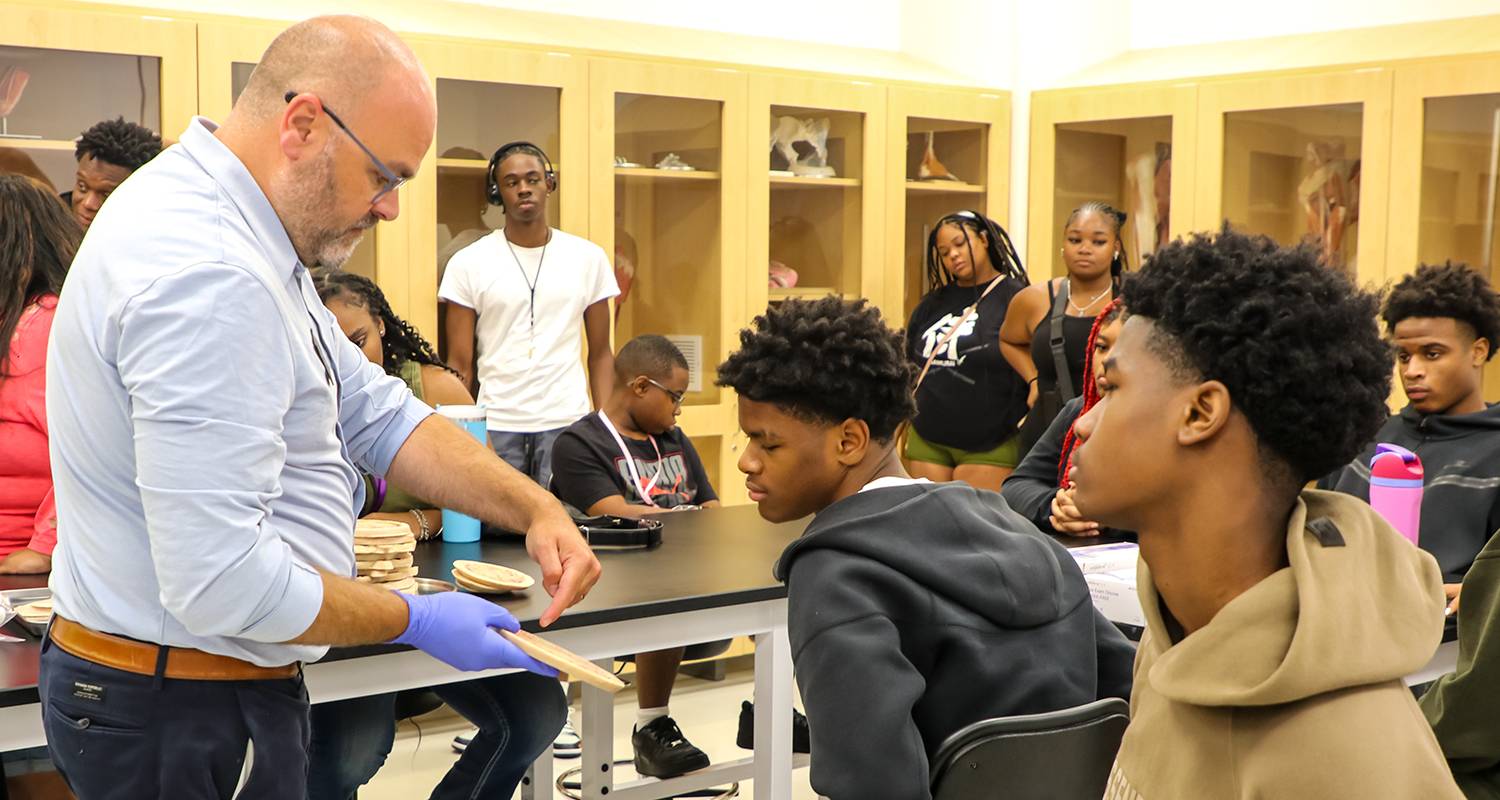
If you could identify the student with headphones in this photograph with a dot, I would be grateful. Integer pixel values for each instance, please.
(969, 400)
(514, 300)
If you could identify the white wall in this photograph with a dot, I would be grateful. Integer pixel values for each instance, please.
(850, 23)
(1170, 23)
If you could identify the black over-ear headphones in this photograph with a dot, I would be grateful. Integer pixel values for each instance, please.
(492, 182)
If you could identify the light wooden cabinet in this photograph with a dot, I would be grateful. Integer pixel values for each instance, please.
(1300, 156)
(667, 180)
(1445, 187)
(673, 168)
(822, 222)
(946, 151)
(1132, 147)
(488, 96)
(63, 70)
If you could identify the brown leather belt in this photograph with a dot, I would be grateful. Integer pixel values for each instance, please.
(129, 655)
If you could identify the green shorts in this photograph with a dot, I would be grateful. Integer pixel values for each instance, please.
(1007, 454)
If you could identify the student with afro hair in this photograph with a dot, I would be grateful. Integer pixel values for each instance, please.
(914, 608)
(107, 154)
(1279, 621)
(1445, 324)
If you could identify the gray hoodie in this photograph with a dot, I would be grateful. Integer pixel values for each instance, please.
(916, 610)
(1461, 488)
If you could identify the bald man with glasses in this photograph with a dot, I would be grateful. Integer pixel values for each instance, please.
(211, 424)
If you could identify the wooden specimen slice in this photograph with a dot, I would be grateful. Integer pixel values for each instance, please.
(575, 666)
(382, 529)
(382, 549)
(492, 576)
(388, 576)
(36, 612)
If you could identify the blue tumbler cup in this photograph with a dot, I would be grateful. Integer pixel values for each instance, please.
(459, 527)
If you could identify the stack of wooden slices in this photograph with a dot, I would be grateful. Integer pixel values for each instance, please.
(382, 554)
(37, 613)
(484, 578)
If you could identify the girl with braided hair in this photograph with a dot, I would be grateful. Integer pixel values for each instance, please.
(969, 400)
(1039, 489)
(351, 739)
(390, 341)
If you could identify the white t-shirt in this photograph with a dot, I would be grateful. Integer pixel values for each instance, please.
(891, 482)
(530, 380)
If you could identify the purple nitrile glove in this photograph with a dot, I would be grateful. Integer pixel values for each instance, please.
(455, 629)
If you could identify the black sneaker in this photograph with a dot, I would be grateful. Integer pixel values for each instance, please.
(661, 751)
(801, 736)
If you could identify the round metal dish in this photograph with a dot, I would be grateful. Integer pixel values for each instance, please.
(433, 586)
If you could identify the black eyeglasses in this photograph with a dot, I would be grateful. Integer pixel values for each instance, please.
(676, 396)
(390, 181)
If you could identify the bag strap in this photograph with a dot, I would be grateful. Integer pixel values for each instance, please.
(1059, 354)
(957, 326)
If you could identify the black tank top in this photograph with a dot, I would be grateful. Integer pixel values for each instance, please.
(1075, 344)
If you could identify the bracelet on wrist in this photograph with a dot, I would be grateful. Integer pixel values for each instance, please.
(423, 531)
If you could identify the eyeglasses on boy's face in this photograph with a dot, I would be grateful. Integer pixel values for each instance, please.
(676, 396)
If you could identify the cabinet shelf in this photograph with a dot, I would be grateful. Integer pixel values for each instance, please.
(943, 187)
(665, 174)
(38, 144)
(462, 165)
(804, 292)
(801, 181)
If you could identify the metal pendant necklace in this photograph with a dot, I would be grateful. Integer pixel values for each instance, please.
(1090, 304)
(530, 286)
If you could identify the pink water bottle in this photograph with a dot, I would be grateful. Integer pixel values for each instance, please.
(1396, 488)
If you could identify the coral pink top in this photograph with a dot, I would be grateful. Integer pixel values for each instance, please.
(28, 515)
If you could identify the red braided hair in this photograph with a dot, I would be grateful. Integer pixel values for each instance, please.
(1090, 393)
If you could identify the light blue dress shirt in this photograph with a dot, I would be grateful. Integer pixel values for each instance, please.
(207, 417)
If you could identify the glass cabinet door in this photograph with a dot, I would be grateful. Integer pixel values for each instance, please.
(667, 165)
(1131, 147)
(1443, 205)
(474, 119)
(812, 198)
(1294, 174)
(1126, 163)
(50, 97)
(668, 216)
(1300, 159)
(949, 151)
(488, 96)
(945, 169)
(816, 179)
(63, 71)
(1457, 206)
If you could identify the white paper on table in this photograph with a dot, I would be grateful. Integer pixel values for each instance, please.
(1109, 570)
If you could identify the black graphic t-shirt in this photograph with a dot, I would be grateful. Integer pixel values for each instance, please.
(972, 399)
(587, 467)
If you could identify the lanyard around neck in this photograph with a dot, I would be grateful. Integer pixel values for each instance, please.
(635, 476)
(531, 282)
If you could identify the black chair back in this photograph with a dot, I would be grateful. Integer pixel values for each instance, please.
(1060, 755)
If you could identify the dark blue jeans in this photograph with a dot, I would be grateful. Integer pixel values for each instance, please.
(519, 715)
(531, 453)
(116, 734)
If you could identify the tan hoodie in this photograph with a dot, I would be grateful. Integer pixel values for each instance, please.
(1294, 689)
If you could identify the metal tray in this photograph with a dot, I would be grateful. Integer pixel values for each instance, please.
(20, 597)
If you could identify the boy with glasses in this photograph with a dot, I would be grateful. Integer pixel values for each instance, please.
(629, 460)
